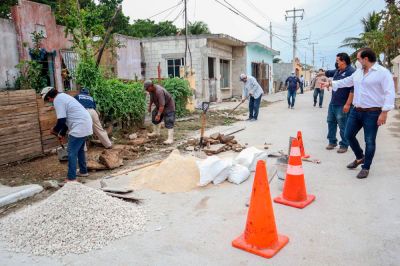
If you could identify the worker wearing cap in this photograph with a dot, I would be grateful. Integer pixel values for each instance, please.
(252, 90)
(164, 110)
(90, 105)
(72, 117)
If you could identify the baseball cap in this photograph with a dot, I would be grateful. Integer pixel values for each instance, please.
(243, 76)
(44, 91)
(147, 83)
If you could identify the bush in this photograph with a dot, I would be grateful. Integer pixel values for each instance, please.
(180, 91)
(87, 74)
(30, 76)
(122, 102)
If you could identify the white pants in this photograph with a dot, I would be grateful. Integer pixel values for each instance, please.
(98, 130)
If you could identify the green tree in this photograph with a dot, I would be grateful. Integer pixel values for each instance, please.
(391, 30)
(371, 31)
(197, 28)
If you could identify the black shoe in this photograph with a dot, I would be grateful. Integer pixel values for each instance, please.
(315, 104)
(320, 106)
(363, 174)
(331, 146)
(355, 164)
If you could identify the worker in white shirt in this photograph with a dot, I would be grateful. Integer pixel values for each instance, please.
(252, 90)
(373, 99)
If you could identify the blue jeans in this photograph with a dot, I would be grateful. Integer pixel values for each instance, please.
(367, 121)
(336, 117)
(254, 106)
(291, 98)
(76, 152)
(321, 96)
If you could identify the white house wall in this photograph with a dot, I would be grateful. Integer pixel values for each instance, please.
(8, 53)
(129, 58)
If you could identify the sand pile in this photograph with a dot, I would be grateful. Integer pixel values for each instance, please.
(175, 174)
(75, 219)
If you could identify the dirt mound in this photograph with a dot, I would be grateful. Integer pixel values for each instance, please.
(175, 174)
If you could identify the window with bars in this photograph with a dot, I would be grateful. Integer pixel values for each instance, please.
(174, 65)
(225, 73)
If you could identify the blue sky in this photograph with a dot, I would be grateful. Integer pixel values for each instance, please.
(327, 22)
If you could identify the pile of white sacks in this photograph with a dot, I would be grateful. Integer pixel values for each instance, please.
(217, 170)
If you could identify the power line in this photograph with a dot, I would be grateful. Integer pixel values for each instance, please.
(239, 13)
(172, 7)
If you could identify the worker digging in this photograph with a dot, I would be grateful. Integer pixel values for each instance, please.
(164, 110)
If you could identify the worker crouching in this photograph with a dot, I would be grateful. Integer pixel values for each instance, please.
(164, 110)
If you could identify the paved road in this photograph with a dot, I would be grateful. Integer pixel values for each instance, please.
(352, 222)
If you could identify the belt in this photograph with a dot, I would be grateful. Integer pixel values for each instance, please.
(371, 109)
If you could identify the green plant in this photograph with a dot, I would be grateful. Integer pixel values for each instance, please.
(180, 91)
(87, 74)
(120, 102)
(30, 76)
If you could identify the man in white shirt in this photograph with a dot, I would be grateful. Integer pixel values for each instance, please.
(252, 90)
(373, 99)
(72, 117)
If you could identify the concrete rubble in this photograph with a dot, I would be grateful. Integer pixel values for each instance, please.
(214, 144)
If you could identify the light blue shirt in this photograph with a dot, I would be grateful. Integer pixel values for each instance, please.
(252, 86)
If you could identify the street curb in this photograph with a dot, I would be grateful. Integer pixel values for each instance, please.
(19, 195)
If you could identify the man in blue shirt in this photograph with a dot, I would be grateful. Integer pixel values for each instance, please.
(88, 102)
(340, 103)
(291, 84)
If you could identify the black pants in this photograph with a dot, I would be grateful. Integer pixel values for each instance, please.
(169, 118)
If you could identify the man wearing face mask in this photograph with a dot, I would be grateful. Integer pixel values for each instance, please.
(373, 99)
(291, 84)
(339, 106)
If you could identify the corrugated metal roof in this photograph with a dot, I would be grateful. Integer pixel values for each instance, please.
(70, 59)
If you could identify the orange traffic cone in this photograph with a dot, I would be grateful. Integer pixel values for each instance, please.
(294, 190)
(260, 236)
(300, 139)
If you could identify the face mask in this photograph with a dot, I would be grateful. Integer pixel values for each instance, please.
(358, 65)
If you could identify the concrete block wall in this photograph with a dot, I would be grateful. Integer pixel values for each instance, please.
(159, 50)
(239, 67)
(9, 57)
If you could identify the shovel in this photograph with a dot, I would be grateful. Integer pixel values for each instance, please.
(204, 108)
(233, 110)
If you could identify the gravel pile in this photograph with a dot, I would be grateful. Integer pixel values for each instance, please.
(75, 219)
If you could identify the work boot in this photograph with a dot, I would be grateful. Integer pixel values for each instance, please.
(342, 150)
(363, 174)
(331, 146)
(170, 139)
(355, 164)
(156, 131)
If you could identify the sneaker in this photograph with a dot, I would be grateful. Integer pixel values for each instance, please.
(253, 119)
(82, 175)
(363, 174)
(355, 164)
(342, 150)
(331, 146)
(320, 106)
(249, 119)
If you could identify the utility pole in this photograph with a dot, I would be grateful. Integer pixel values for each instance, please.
(294, 16)
(186, 39)
(313, 53)
(270, 34)
(323, 61)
